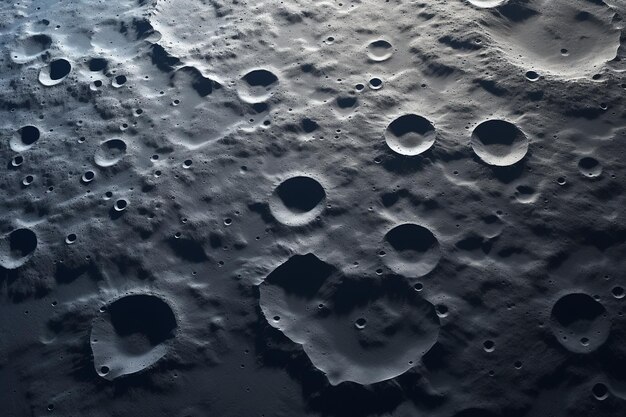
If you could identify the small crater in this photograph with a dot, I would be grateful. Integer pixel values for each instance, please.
(589, 167)
(297, 200)
(410, 135)
(31, 47)
(131, 334)
(25, 138)
(71, 238)
(532, 76)
(110, 152)
(412, 250)
(119, 81)
(376, 83)
(379, 50)
(55, 72)
(88, 176)
(17, 247)
(258, 85)
(600, 391)
(489, 346)
(618, 292)
(360, 323)
(499, 143)
(120, 205)
(17, 160)
(580, 323)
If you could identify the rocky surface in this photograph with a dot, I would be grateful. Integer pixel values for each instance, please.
(324, 208)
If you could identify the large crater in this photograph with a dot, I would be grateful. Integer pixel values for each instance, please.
(132, 334)
(358, 329)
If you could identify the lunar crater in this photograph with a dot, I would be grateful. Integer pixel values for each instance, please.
(352, 328)
(131, 335)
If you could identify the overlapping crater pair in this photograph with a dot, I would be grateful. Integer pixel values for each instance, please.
(359, 329)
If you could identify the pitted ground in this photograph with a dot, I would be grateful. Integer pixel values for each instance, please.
(158, 171)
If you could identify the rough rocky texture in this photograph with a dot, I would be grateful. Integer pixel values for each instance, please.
(324, 208)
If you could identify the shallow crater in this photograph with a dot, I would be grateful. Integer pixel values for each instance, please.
(25, 138)
(410, 135)
(580, 323)
(110, 152)
(499, 143)
(411, 250)
(297, 200)
(17, 247)
(55, 72)
(132, 334)
(352, 328)
(379, 50)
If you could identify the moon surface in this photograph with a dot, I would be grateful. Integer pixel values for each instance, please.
(313, 208)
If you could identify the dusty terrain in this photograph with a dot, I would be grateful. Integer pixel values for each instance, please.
(313, 208)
